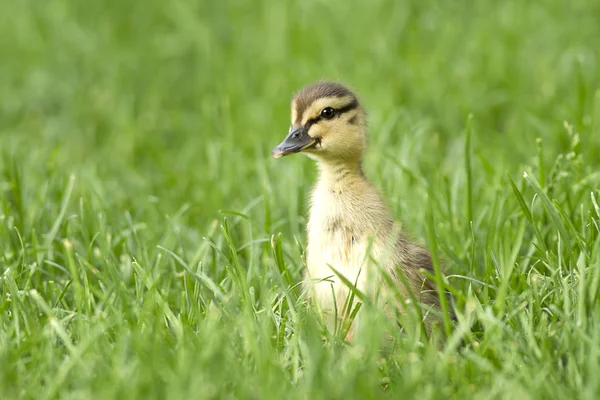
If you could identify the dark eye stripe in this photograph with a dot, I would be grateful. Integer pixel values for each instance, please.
(338, 112)
(347, 108)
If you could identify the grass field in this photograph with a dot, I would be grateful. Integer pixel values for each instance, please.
(151, 247)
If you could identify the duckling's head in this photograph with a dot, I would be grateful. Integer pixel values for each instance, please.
(328, 124)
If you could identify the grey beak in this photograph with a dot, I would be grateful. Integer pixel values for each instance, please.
(296, 141)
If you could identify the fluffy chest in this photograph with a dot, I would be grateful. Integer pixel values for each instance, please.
(336, 236)
(347, 226)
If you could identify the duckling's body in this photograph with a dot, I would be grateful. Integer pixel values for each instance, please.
(349, 224)
(348, 228)
(339, 231)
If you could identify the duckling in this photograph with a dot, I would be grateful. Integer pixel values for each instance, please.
(348, 221)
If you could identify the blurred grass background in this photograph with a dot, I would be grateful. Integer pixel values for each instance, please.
(129, 130)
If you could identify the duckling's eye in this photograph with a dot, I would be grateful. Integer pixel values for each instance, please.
(327, 113)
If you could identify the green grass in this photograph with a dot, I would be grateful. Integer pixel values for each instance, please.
(151, 248)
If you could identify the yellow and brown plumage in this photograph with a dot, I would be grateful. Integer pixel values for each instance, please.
(348, 219)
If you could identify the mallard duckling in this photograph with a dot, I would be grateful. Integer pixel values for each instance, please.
(348, 219)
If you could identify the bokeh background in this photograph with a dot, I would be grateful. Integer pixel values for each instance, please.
(184, 100)
(131, 127)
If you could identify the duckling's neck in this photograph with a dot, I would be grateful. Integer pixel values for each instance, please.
(338, 176)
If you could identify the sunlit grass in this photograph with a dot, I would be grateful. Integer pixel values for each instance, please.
(151, 248)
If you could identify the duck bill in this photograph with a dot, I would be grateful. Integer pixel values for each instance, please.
(296, 141)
